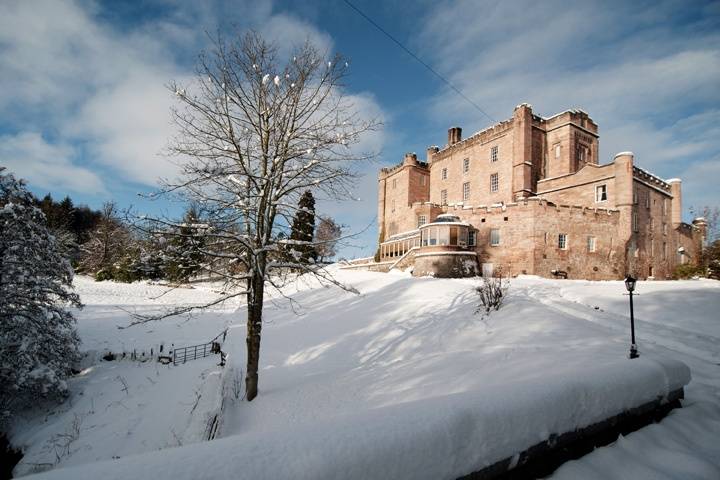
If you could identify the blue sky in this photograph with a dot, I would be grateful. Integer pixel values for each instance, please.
(84, 111)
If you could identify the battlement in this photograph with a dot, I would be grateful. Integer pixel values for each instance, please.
(651, 178)
(503, 207)
(482, 136)
(410, 159)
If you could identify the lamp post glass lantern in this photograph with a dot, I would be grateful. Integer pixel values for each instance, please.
(630, 285)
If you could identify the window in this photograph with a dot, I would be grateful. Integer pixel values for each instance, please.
(664, 228)
(581, 154)
(664, 251)
(443, 236)
(466, 191)
(443, 197)
(647, 200)
(393, 205)
(463, 237)
(562, 241)
(394, 182)
(635, 221)
(664, 206)
(591, 244)
(557, 151)
(422, 220)
(466, 165)
(635, 197)
(443, 174)
(494, 154)
(601, 193)
(422, 180)
(471, 237)
(494, 237)
(494, 182)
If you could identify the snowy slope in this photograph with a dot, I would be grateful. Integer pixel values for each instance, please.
(413, 349)
(126, 407)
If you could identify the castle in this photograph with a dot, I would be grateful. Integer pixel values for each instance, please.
(529, 195)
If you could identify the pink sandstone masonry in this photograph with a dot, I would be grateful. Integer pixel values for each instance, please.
(537, 201)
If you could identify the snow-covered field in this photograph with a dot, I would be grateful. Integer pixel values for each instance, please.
(403, 347)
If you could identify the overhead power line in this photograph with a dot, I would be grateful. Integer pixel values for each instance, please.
(409, 52)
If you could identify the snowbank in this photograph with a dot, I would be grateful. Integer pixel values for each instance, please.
(440, 437)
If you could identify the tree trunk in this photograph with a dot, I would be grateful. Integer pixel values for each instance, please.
(254, 326)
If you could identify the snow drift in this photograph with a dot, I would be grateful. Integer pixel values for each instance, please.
(440, 437)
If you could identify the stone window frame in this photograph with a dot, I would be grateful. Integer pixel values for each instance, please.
(494, 154)
(421, 220)
(494, 241)
(601, 191)
(443, 197)
(394, 183)
(558, 149)
(472, 238)
(466, 165)
(591, 244)
(444, 173)
(635, 226)
(664, 251)
(562, 241)
(392, 204)
(422, 180)
(494, 182)
(466, 191)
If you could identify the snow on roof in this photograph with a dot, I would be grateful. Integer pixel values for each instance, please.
(673, 180)
(624, 153)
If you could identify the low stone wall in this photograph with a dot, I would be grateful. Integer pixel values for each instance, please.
(446, 264)
(371, 266)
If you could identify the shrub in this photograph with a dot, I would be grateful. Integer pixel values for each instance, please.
(492, 292)
(683, 272)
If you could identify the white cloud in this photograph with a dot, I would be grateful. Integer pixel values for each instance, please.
(66, 71)
(648, 80)
(46, 165)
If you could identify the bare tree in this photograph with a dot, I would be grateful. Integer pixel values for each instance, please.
(107, 243)
(327, 235)
(253, 135)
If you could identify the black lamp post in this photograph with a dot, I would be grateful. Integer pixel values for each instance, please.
(630, 285)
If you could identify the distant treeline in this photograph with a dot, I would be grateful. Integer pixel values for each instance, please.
(64, 215)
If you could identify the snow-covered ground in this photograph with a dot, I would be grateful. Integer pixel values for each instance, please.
(404, 345)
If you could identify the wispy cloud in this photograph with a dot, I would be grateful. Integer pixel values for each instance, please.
(50, 165)
(648, 74)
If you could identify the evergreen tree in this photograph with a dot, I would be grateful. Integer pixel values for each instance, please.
(38, 340)
(183, 257)
(302, 231)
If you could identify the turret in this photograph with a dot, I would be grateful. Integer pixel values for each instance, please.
(676, 209)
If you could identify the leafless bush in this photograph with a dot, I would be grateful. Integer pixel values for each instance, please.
(62, 442)
(492, 292)
(237, 384)
(124, 384)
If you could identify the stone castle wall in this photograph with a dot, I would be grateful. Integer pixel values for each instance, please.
(548, 175)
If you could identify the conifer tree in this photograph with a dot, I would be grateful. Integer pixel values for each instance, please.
(38, 340)
(301, 244)
(184, 253)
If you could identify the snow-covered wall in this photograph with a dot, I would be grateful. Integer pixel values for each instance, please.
(441, 437)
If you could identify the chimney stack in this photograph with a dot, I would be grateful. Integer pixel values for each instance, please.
(454, 135)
